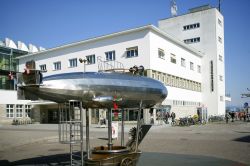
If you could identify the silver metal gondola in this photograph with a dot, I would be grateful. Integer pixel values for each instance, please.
(98, 90)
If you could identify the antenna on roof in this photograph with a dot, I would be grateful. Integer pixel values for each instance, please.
(219, 5)
(173, 8)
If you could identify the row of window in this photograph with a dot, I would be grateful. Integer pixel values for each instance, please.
(191, 26)
(185, 103)
(192, 40)
(175, 81)
(18, 111)
(183, 63)
(161, 54)
(91, 59)
(191, 65)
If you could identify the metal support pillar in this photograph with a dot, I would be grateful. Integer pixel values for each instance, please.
(110, 129)
(81, 131)
(122, 129)
(87, 134)
(138, 127)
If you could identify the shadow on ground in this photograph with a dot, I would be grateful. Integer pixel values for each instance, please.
(147, 159)
(243, 139)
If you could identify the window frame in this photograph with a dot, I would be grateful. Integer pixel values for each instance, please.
(219, 39)
(130, 50)
(173, 58)
(72, 62)
(183, 62)
(191, 66)
(221, 77)
(27, 111)
(9, 110)
(43, 67)
(220, 58)
(90, 59)
(161, 53)
(191, 26)
(199, 68)
(19, 111)
(107, 58)
(57, 65)
(219, 22)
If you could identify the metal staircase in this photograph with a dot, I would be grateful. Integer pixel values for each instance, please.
(70, 130)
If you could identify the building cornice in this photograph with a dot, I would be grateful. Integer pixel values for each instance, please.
(147, 27)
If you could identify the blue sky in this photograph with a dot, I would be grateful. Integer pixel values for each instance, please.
(50, 23)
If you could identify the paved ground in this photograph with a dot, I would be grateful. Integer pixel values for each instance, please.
(211, 144)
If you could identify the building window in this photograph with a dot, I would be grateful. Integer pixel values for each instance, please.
(199, 68)
(43, 67)
(57, 65)
(19, 111)
(110, 56)
(168, 79)
(220, 58)
(161, 53)
(219, 22)
(192, 40)
(191, 66)
(90, 59)
(212, 76)
(131, 52)
(221, 98)
(163, 79)
(173, 58)
(153, 75)
(28, 111)
(10, 110)
(191, 26)
(158, 77)
(73, 62)
(219, 39)
(183, 62)
(221, 78)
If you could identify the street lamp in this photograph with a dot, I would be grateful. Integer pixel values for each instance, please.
(84, 62)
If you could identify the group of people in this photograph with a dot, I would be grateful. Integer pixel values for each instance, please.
(243, 115)
(165, 116)
(168, 115)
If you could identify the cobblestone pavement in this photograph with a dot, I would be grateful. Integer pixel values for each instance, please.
(212, 144)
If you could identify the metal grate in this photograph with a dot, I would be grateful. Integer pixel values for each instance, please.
(71, 130)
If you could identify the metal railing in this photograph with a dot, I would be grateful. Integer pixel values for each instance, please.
(112, 66)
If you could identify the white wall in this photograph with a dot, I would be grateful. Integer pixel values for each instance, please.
(118, 43)
(10, 97)
(208, 32)
(148, 41)
(164, 65)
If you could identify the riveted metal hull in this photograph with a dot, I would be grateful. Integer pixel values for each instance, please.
(87, 86)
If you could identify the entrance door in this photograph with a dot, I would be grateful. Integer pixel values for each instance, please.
(53, 116)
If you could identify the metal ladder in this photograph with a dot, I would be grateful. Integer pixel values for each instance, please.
(70, 130)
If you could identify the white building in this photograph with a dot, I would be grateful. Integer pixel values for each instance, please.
(203, 29)
(158, 52)
(10, 107)
(186, 53)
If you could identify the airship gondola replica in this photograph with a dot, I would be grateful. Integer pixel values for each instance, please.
(101, 90)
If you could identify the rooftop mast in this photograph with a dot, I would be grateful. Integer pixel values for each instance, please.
(173, 8)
